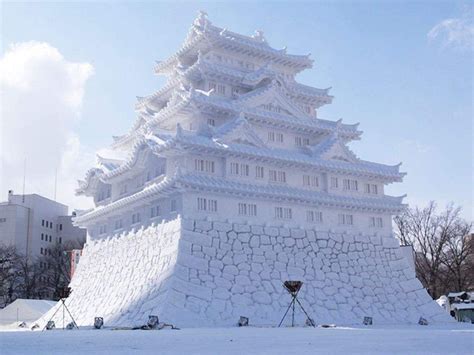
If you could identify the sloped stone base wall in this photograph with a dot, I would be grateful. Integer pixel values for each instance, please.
(201, 273)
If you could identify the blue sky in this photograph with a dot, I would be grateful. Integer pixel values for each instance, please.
(411, 92)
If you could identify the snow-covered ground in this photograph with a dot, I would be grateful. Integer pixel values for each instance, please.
(457, 339)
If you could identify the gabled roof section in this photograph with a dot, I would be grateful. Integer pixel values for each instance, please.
(333, 148)
(239, 131)
(203, 35)
(272, 95)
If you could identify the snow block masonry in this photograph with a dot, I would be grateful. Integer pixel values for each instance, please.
(196, 273)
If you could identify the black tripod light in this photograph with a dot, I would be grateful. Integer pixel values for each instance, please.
(293, 287)
(63, 294)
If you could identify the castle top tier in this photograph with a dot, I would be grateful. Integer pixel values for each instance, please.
(204, 36)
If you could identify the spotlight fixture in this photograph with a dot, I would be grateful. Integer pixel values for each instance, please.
(422, 321)
(70, 326)
(152, 322)
(293, 287)
(368, 321)
(98, 322)
(243, 321)
(50, 325)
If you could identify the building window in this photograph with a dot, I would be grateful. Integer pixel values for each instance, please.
(3, 220)
(60, 240)
(244, 170)
(118, 224)
(155, 211)
(371, 189)
(50, 238)
(206, 166)
(204, 204)
(271, 136)
(173, 206)
(103, 229)
(314, 216)
(247, 209)
(279, 137)
(41, 251)
(136, 218)
(334, 182)
(61, 226)
(300, 141)
(259, 172)
(346, 219)
(234, 168)
(211, 122)
(123, 189)
(50, 225)
(42, 222)
(221, 89)
(310, 181)
(376, 222)
(350, 185)
(277, 176)
(42, 236)
(283, 213)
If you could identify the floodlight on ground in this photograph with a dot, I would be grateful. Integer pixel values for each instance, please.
(422, 321)
(368, 321)
(152, 321)
(293, 287)
(98, 322)
(243, 321)
(50, 325)
(70, 326)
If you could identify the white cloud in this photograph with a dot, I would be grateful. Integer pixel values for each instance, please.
(455, 32)
(41, 95)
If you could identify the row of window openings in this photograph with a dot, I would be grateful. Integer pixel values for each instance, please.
(45, 251)
(279, 138)
(155, 211)
(44, 265)
(48, 224)
(353, 185)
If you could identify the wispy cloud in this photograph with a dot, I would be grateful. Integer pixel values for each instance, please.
(42, 94)
(455, 33)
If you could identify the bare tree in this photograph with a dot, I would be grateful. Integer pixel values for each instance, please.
(8, 275)
(438, 242)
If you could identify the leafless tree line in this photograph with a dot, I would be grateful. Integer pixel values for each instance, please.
(41, 278)
(444, 247)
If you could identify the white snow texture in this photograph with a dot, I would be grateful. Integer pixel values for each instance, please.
(200, 273)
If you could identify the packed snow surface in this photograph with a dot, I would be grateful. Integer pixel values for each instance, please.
(455, 339)
(24, 310)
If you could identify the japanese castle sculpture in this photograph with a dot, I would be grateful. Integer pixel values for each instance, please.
(227, 185)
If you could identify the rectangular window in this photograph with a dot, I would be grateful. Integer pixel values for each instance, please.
(206, 166)
(60, 240)
(334, 182)
(3, 220)
(204, 204)
(234, 168)
(244, 170)
(350, 185)
(211, 122)
(118, 224)
(259, 172)
(346, 219)
(277, 176)
(376, 222)
(283, 213)
(298, 141)
(61, 226)
(42, 236)
(221, 89)
(247, 209)
(367, 188)
(136, 218)
(314, 216)
(375, 189)
(41, 251)
(310, 181)
(42, 222)
(155, 211)
(271, 136)
(279, 137)
(173, 206)
(50, 238)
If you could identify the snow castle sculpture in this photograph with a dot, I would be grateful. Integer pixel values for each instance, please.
(228, 184)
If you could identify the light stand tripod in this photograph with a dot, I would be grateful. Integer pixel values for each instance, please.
(293, 287)
(65, 292)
